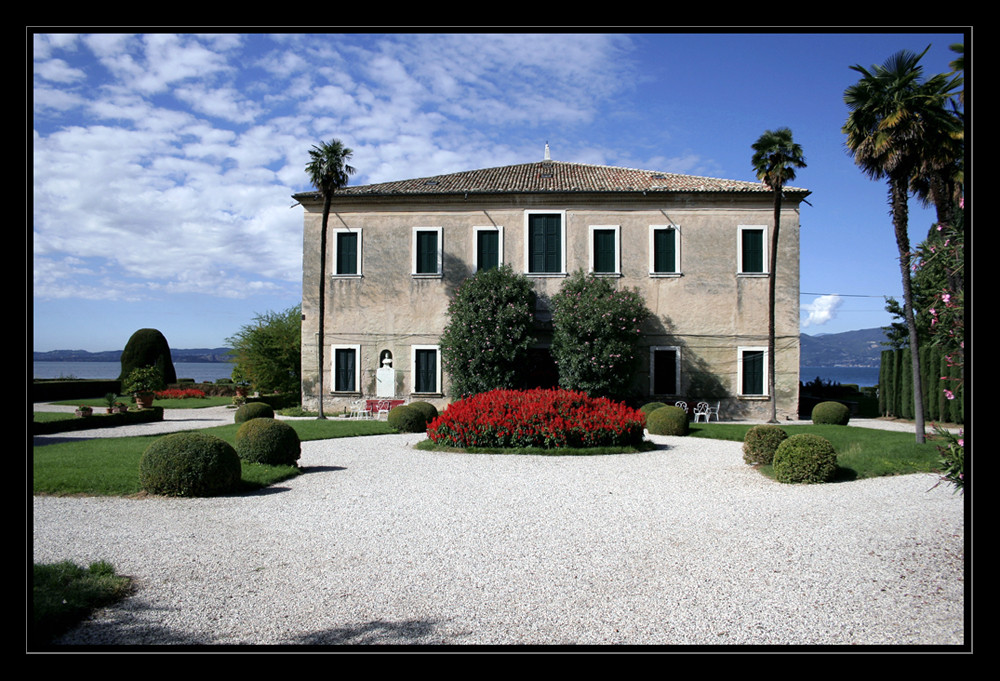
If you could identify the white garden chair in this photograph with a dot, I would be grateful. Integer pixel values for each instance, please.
(702, 410)
(382, 409)
(682, 405)
(714, 411)
(359, 410)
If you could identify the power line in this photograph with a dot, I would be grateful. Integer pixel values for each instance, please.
(843, 295)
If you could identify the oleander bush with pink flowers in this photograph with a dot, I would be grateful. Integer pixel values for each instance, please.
(541, 418)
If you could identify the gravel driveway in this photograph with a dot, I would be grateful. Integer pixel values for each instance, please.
(379, 543)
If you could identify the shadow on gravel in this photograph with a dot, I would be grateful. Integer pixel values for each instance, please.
(374, 633)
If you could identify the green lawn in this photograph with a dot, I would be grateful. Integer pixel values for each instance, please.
(63, 594)
(110, 466)
(861, 452)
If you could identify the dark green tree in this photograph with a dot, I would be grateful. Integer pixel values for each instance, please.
(328, 171)
(897, 121)
(148, 347)
(596, 330)
(268, 351)
(485, 342)
(775, 158)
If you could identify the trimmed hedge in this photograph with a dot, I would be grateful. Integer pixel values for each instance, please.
(667, 420)
(832, 413)
(805, 458)
(650, 407)
(98, 420)
(253, 410)
(429, 411)
(407, 419)
(761, 442)
(190, 464)
(268, 441)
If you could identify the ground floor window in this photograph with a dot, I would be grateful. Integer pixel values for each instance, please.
(752, 371)
(664, 370)
(426, 369)
(346, 368)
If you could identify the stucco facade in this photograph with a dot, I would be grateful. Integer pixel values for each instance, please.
(696, 248)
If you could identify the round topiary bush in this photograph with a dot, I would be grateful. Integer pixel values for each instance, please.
(429, 411)
(667, 421)
(406, 419)
(650, 407)
(761, 442)
(833, 413)
(190, 464)
(805, 458)
(268, 441)
(254, 410)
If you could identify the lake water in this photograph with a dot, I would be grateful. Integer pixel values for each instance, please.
(211, 371)
(861, 376)
(199, 371)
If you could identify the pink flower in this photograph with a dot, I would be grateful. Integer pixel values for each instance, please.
(949, 394)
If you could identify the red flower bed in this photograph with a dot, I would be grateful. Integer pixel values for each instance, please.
(537, 418)
(179, 393)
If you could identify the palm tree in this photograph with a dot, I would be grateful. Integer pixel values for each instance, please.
(328, 171)
(774, 161)
(897, 123)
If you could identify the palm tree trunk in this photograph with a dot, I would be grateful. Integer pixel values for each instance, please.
(898, 199)
(772, 285)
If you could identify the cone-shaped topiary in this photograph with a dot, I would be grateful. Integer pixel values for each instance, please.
(190, 464)
(253, 410)
(268, 441)
(148, 347)
(406, 419)
(805, 458)
(832, 413)
(761, 442)
(667, 421)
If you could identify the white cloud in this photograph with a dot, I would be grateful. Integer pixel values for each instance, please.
(822, 310)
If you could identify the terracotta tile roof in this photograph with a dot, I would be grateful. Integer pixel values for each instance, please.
(553, 176)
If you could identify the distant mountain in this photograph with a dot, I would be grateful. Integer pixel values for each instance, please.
(189, 355)
(862, 348)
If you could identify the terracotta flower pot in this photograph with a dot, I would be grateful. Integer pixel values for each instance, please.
(144, 400)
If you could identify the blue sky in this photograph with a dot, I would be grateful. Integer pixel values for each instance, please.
(164, 164)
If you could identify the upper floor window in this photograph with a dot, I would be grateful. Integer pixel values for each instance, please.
(487, 248)
(545, 242)
(427, 251)
(752, 249)
(347, 252)
(605, 249)
(664, 250)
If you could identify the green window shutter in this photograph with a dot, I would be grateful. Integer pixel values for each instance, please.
(347, 253)
(544, 243)
(753, 372)
(488, 250)
(665, 250)
(426, 371)
(344, 370)
(753, 250)
(427, 252)
(604, 250)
